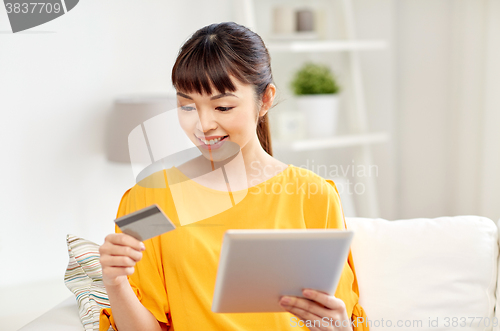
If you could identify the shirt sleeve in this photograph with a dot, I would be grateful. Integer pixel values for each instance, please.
(347, 289)
(147, 281)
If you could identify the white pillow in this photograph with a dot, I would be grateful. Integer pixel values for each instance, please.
(84, 278)
(438, 272)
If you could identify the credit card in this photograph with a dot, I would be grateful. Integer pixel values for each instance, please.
(145, 223)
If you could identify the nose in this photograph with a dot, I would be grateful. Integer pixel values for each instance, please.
(206, 121)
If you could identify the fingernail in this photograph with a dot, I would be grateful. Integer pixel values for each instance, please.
(143, 247)
(285, 300)
(307, 293)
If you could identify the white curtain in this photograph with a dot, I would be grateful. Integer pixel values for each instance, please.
(448, 107)
(474, 180)
(490, 167)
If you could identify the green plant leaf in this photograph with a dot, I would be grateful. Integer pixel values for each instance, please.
(314, 78)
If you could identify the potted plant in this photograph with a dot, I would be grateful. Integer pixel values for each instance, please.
(317, 98)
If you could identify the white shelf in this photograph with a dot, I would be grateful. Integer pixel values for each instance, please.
(350, 45)
(333, 142)
(295, 36)
(325, 45)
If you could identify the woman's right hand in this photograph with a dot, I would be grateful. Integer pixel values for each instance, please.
(119, 254)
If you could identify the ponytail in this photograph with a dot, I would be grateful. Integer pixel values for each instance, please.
(264, 134)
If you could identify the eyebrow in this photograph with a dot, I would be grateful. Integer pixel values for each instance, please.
(212, 98)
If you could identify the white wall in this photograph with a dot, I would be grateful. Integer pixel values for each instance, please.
(377, 20)
(57, 84)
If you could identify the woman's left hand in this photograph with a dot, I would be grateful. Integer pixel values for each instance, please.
(319, 312)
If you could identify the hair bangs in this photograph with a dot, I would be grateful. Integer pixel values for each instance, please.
(204, 68)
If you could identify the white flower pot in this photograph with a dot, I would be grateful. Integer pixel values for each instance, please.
(290, 125)
(320, 113)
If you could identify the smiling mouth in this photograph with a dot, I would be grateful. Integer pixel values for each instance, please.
(211, 142)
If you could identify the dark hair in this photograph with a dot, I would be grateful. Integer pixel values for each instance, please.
(215, 52)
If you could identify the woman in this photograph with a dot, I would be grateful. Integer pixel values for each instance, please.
(224, 88)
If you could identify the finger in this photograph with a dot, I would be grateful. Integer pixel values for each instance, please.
(117, 250)
(304, 304)
(116, 261)
(113, 272)
(123, 239)
(304, 315)
(329, 301)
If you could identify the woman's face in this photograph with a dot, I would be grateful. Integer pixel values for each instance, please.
(219, 124)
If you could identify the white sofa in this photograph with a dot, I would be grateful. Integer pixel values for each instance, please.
(419, 274)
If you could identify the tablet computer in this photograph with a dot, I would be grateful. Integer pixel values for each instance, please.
(257, 267)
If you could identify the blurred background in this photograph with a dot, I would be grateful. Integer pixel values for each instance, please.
(419, 102)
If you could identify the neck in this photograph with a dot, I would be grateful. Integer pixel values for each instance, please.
(254, 156)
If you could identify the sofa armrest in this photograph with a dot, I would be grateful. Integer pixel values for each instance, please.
(63, 317)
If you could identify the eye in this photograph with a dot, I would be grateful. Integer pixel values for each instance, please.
(224, 108)
(185, 108)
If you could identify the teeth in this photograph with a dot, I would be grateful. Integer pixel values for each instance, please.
(211, 141)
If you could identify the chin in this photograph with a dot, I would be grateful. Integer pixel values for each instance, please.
(225, 153)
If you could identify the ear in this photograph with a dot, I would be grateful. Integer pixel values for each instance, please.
(267, 99)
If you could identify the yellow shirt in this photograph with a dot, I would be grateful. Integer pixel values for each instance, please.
(175, 278)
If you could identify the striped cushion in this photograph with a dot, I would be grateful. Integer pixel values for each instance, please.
(84, 278)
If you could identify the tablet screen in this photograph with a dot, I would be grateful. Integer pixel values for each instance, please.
(257, 267)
